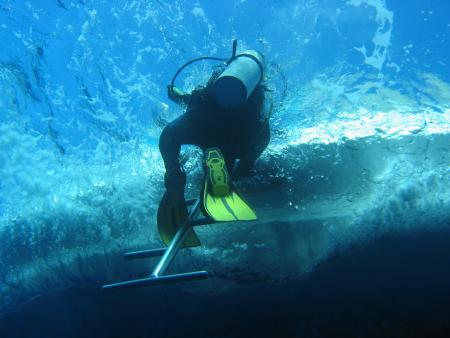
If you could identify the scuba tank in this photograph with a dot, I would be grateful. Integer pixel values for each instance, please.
(243, 72)
(237, 82)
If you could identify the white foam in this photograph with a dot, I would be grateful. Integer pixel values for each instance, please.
(382, 37)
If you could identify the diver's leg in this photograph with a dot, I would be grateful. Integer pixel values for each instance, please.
(183, 130)
(172, 211)
(190, 129)
(253, 151)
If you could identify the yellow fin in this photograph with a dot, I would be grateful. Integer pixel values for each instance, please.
(230, 207)
(220, 201)
(167, 231)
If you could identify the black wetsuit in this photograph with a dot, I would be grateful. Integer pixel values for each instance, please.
(240, 134)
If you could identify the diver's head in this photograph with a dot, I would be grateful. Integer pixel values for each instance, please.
(237, 82)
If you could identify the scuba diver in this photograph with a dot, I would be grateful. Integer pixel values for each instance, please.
(228, 114)
(227, 119)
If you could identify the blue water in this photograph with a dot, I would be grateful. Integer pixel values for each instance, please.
(358, 166)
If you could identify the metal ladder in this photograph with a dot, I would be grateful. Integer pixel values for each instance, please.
(168, 254)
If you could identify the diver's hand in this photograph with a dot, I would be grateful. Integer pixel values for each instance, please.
(173, 209)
